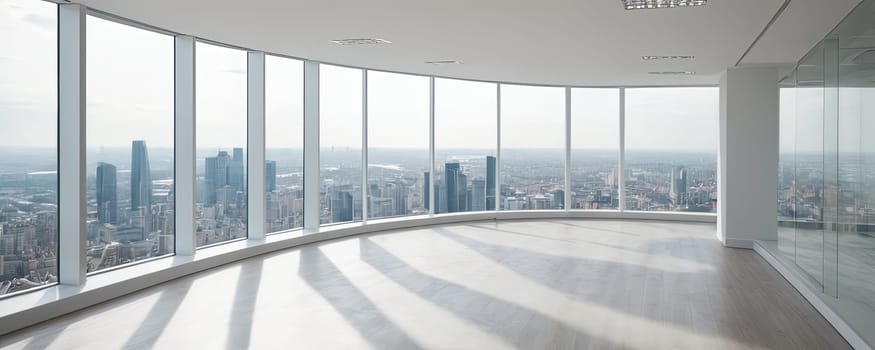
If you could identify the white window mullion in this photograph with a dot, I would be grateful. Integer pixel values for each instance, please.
(185, 180)
(255, 90)
(71, 144)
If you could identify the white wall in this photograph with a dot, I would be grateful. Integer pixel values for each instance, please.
(748, 157)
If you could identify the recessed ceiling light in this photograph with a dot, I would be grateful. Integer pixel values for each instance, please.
(657, 4)
(672, 73)
(443, 62)
(361, 41)
(672, 57)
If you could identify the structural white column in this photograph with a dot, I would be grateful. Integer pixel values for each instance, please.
(257, 203)
(430, 189)
(185, 182)
(71, 144)
(621, 163)
(311, 146)
(364, 146)
(567, 198)
(497, 147)
(748, 156)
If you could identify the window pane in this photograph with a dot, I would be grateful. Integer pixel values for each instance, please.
(221, 141)
(129, 144)
(398, 107)
(532, 147)
(284, 142)
(671, 149)
(595, 147)
(28, 145)
(465, 138)
(340, 139)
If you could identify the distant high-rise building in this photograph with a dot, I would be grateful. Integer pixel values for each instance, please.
(454, 188)
(478, 194)
(270, 176)
(425, 189)
(462, 183)
(216, 173)
(341, 204)
(107, 194)
(490, 183)
(141, 176)
(559, 199)
(236, 171)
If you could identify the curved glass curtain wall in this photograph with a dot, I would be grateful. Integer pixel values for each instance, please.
(826, 183)
(220, 99)
(671, 149)
(129, 144)
(595, 149)
(398, 122)
(131, 132)
(284, 143)
(28, 145)
(340, 144)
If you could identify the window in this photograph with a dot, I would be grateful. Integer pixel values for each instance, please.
(28, 145)
(465, 141)
(129, 146)
(284, 143)
(532, 147)
(398, 108)
(671, 149)
(595, 147)
(340, 138)
(220, 103)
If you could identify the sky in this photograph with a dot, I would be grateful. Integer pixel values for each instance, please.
(130, 96)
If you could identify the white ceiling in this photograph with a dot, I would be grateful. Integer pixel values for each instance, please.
(554, 42)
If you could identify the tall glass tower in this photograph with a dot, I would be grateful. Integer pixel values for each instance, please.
(141, 177)
(107, 194)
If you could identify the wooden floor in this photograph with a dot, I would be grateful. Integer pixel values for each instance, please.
(557, 284)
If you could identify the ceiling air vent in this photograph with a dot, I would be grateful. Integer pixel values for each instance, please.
(361, 41)
(668, 58)
(658, 4)
(443, 62)
(672, 73)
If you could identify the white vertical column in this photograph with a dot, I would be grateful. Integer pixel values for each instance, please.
(311, 146)
(747, 156)
(430, 189)
(567, 198)
(497, 147)
(621, 163)
(255, 159)
(364, 146)
(185, 181)
(71, 144)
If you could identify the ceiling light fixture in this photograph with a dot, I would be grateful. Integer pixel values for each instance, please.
(361, 41)
(657, 4)
(672, 57)
(443, 62)
(672, 73)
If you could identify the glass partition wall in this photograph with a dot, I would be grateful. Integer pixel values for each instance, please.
(494, 146)
(826, 186)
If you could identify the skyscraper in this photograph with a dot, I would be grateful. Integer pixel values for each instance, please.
(270, 176)
(478, 194)
(236, 177)
(216, 175)
(107, 194)
(490, 183)
(426, 190)
(141, 177)
(341, 204)
(451, 181)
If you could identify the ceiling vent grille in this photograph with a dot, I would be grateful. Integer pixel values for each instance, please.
(669, 58)
(672, 73)
(361, 41)
(658, 4)
(443, 62)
